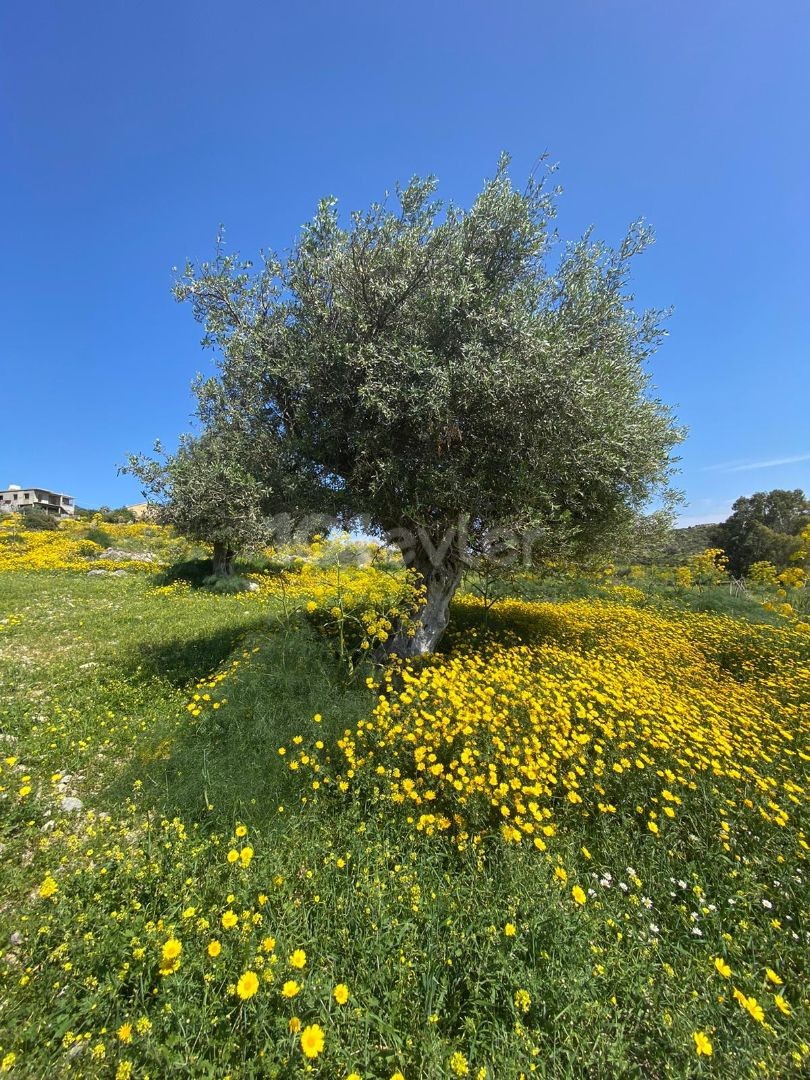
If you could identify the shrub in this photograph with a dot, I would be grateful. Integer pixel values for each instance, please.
(37, 519)
(99, 536)
(226, 584)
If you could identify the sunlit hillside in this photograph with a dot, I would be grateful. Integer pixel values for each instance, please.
(233, 846)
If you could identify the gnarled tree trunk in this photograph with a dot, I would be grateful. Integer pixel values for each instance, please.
(441, 574)
(224, 556)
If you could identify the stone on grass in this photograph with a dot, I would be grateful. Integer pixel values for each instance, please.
(119, 555)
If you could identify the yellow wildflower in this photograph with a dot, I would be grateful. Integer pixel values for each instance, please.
(702, 1044)
(247, 985)
(312, 1040)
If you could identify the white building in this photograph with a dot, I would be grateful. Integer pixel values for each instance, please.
(15, 498)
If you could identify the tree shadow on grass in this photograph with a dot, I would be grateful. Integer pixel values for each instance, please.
(192, 572)
(197, 572)
(224, 765)
(181, 661)
(505, 624)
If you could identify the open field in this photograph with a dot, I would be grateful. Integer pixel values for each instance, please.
(573, 844)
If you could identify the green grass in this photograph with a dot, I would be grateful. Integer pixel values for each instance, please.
(137, 654)
(95, 682)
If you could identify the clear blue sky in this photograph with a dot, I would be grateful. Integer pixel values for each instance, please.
(128, 131)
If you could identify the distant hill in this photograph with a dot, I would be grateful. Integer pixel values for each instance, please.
(679, 544)
(684, 542)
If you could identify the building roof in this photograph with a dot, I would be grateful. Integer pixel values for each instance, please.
(48, 491)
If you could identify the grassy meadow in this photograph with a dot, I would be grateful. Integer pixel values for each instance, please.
(573, 844)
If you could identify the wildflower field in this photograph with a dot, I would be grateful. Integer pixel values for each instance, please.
(573, 844)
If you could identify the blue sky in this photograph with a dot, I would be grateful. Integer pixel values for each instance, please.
(129, 131)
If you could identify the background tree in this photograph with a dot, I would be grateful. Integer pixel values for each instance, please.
(207, 493)
(425, 368)
(763, 527)
(121, 515)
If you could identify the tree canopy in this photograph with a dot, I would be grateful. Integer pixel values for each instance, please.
(206, 491)
(763, 527)
(429, 369)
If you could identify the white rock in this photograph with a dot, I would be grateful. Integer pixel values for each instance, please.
(69, 804)
(119, 555)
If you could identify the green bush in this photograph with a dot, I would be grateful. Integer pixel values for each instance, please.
(99, 536)
(36, 519)
(232, 583)
(258, 563)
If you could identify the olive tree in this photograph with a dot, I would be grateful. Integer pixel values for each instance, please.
(207, 493)
(433, 371)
